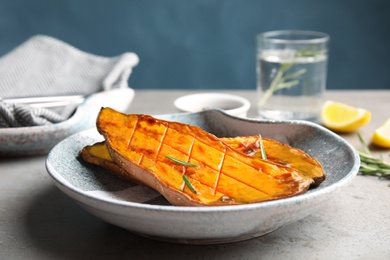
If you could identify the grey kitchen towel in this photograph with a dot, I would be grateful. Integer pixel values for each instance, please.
(46, 66)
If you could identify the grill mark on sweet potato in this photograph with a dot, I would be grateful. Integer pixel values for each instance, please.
(220, 170)
(262, 168)
(132, 132)
(168, 125)
(161, 144)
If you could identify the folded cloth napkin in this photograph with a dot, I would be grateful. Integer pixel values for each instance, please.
(19, 115)
(45, 66)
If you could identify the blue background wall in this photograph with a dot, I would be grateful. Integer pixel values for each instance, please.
(208, 44)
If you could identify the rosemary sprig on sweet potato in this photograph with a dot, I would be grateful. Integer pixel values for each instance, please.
(189, 184)
(181, 162)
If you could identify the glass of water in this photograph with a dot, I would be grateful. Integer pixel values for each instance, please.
(291, 74)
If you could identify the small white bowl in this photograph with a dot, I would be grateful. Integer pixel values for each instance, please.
(231, 104)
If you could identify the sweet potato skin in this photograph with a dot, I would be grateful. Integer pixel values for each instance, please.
(99, 155)
(139, 144)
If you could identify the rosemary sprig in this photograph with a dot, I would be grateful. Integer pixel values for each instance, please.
(282, 81)
(370, 165)
(262, 150)
(181, 162)
(189, 184)
(185, 178)
(364, 144)
(308, 52)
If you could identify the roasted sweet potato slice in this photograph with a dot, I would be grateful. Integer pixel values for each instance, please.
(279, 153)
(219, 175)
(276, 152)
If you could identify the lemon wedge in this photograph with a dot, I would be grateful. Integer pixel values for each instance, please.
(343, 118)
(381, 136)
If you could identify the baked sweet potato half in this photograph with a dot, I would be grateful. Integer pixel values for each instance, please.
(189, 166)
(250, 145)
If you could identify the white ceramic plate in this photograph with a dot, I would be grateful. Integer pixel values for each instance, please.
(41, 139)
(143, 211)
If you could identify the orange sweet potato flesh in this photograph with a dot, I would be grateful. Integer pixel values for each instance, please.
(279, 153)
(139, 145)
(276, 152)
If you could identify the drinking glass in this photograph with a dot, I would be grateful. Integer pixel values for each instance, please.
(291, 74)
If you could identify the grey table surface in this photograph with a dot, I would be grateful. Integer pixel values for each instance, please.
(37, 221)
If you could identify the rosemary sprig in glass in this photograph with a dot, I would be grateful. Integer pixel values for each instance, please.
(370, 165)
(282, 81)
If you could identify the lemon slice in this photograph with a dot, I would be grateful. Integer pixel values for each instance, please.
(381, 135)
(343, 118)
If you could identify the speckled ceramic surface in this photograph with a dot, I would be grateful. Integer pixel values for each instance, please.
(41, 139)
(143, 211)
